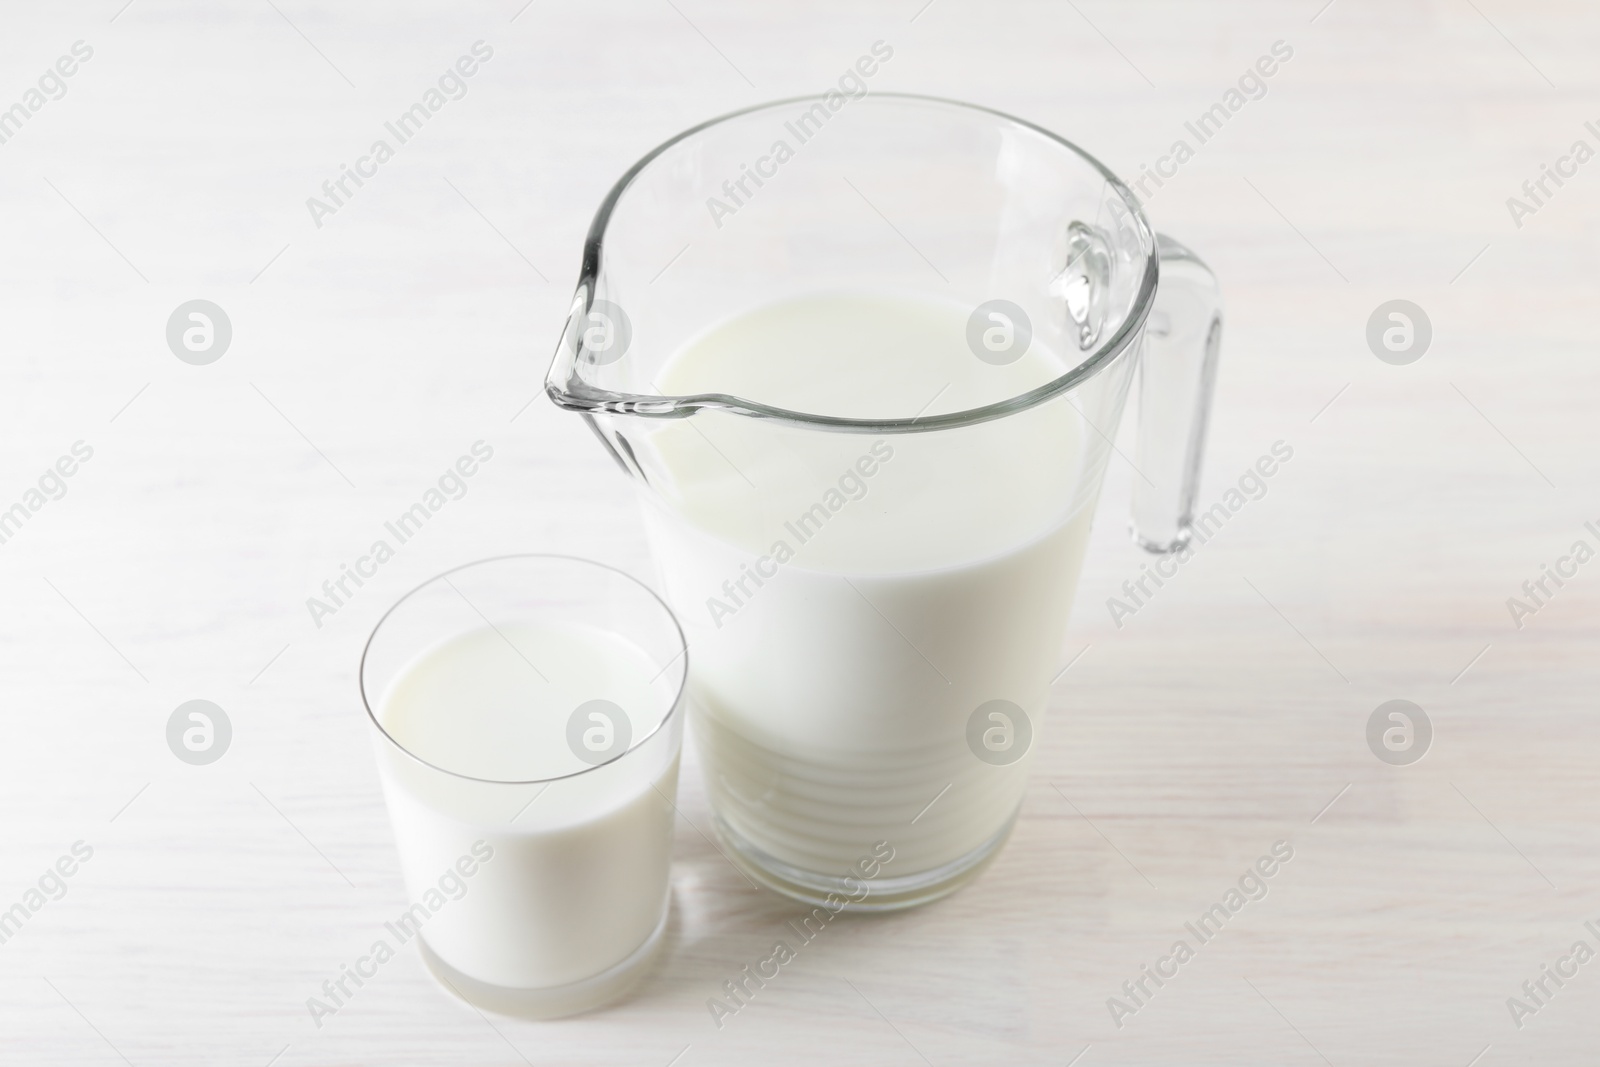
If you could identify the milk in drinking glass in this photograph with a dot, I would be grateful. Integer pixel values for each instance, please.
(525, 714)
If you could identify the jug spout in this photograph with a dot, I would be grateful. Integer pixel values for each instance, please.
(597, 336)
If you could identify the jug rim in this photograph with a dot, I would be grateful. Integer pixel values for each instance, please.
(566, 388)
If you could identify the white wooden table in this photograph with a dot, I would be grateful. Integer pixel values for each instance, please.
(1228, 714)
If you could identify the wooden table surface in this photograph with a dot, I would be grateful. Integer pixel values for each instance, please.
(1229, 713)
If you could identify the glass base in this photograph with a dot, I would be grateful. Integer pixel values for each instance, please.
(551, 1002)
(887, 894)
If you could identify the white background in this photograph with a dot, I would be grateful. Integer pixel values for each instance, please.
(371, 352)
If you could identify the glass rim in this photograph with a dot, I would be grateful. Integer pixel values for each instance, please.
(673, 711)
(565, 387)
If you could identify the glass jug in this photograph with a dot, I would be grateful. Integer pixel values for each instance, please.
(865, 355)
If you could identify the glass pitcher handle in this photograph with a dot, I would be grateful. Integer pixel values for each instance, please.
(1176, 374)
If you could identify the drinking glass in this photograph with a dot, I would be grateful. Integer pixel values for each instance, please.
(532, 805)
